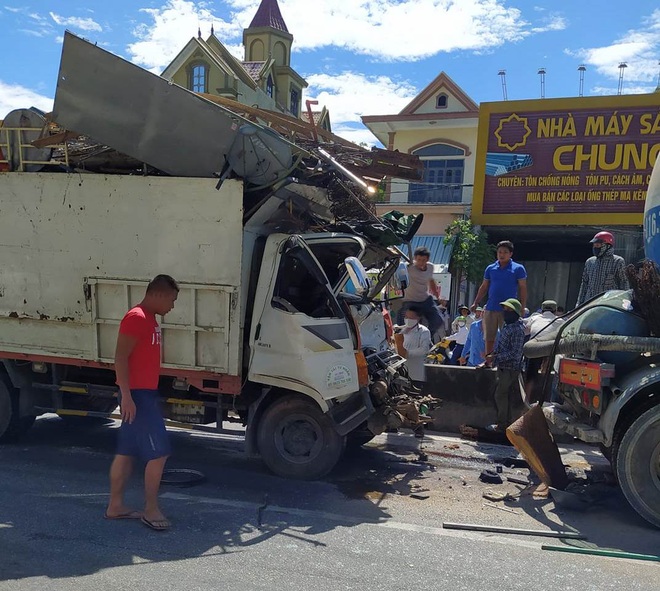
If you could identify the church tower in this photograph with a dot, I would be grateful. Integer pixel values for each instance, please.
(267, 38)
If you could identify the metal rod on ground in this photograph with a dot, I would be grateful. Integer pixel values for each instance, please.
(513, 530)
(598, 552)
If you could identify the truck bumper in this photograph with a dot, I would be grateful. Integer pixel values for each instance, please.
(352, 412)
(567, 423)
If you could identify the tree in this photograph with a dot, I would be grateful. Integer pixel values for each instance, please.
(471, 253)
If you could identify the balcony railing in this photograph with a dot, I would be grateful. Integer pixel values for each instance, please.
(433, 194)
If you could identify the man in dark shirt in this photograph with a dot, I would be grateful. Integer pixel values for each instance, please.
(508, 357)
(603, 271)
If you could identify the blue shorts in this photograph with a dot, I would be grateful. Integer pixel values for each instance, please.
(146, 437)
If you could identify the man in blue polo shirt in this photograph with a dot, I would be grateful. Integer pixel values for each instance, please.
(504, 279)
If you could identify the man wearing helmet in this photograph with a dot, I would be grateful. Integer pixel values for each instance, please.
(603, 271)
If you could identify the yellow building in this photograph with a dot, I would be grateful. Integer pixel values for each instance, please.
(440, 126)
(264, 78)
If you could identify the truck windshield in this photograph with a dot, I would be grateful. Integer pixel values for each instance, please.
(331, 255)
(299, 289)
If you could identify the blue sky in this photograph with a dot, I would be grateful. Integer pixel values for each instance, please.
(359, 56)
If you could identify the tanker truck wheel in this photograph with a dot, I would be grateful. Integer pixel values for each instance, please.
(12, 426)
(296, 440)
(636, 461)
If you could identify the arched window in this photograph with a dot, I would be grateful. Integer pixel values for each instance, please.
(270, 89)
(441, 101)
(198, 77)
(280, 54)
(257, 53)
(444, 167)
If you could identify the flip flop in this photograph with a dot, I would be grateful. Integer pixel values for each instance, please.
(158, 525)
(127, 515)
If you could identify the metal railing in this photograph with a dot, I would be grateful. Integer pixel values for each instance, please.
(16, 141)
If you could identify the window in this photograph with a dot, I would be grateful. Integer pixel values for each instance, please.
(269, 86)
(444, 167)
(441, 101)
(295, 101)
(299, 290)
(198, 78)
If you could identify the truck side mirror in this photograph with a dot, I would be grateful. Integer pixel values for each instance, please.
(357, 274)
(400, 278)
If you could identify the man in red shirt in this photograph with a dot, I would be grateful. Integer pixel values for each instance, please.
(142, 433)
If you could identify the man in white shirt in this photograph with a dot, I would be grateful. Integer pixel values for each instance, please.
(417, 343)
(542, 325)
(422, 289)
(460, 337)
(537, 324)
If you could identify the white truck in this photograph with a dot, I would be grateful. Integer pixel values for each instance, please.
(262, 332)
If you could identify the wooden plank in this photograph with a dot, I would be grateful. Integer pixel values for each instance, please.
(58, 138)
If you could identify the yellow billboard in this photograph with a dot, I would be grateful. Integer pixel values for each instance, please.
(570, 161)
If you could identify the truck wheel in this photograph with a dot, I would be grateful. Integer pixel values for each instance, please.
(12, 426)
(296, 440)
(637, 465)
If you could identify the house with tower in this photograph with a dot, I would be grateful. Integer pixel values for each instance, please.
(264, 78)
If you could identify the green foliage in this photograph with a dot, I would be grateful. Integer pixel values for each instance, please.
(471, 253)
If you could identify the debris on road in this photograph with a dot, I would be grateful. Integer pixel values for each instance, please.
(516, 531)
(517, 480)
(502, 508)
(601, 552)
(490, 477)
(491, 495)
(530, 435)
(420, 496)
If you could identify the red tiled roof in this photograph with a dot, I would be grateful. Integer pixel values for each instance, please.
(269, 15)
(317, 115)
(253, 69)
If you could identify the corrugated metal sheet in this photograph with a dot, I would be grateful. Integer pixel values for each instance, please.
(440, 252)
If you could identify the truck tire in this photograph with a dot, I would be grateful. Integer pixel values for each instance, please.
(296, 440)
(12, 426)
(636, 460)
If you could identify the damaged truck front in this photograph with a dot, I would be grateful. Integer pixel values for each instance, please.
(273, 327)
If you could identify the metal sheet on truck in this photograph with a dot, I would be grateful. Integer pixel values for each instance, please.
(78, 250)
(140, 114)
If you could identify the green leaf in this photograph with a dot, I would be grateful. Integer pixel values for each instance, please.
(471, 253)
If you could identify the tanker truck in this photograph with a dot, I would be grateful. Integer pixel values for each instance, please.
(607, 356)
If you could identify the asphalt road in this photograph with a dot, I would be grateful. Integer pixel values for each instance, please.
(246, 529)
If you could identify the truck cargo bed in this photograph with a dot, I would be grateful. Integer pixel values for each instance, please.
(77, 251)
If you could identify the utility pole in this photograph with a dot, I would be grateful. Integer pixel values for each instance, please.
(541, 74)
(582, 69)
(502, 75)
(622, 67)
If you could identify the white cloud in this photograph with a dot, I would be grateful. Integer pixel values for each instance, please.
(350, 95)
(80, 23)
(15, 96)
(554, 23)
(639, 48)
(627, 89)
(387, 30)
(171, 27)
(397, 29)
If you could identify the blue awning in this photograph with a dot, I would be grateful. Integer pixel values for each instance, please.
(440, 252)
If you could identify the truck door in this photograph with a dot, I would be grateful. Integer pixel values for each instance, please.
(300, 338)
